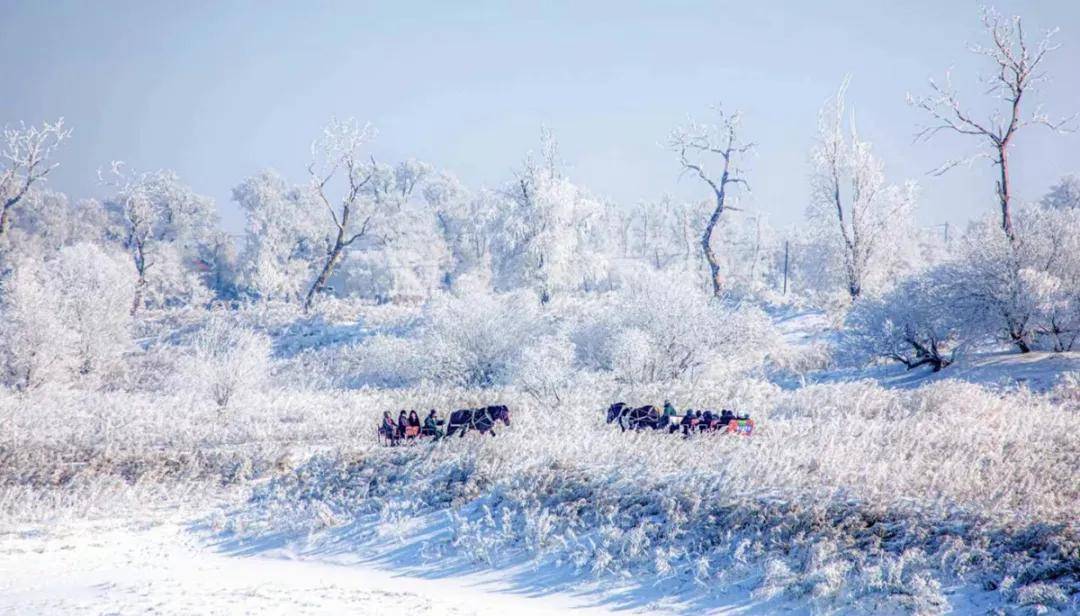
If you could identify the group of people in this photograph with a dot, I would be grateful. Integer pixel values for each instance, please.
(697, 420)
(408, 426)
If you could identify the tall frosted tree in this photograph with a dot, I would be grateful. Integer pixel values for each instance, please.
(165, 227)
(712, 153)
(547, 233)
(1017, 64)
(283, 239)
(850, 201)
(337, 157)
(25, 160)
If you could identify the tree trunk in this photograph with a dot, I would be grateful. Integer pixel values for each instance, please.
(1021, 344)
(854, 288)
(324, 275)
(1004, 191)
(137, 300)
(706, 245)
(139, 256)
(714, 264)
(5, 220)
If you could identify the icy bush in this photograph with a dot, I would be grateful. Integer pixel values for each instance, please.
(659, 327)
(34, 340)
(225, 360)
(545, 370)
(913, 324)
(98, 291)
(476, 340)
(66, 317)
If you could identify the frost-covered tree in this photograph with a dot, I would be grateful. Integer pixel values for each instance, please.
(1024, 291)
(337, 154)
(1017, 69)
(699, 148)
(1050, 273)
(548, 233)
(465, 221)
(25, 160)
(220, 263)
(913, 323)
(96, 289)
(67, 316)
(1064, 194)
(860, 216)
(407, 264)
(34, 340)
(165, 227)
(404, 256)
(987, 286)
(283, 239)
(45, 221)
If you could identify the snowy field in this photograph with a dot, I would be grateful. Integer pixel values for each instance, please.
(128, 567)
(907, 497)
(190, 415)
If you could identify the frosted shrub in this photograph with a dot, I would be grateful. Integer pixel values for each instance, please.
(98, 289)
(225, 360)
(1026, 292)
(67, 317)
(1067, 390)
(34, 340)
(386, 361)
(661, 326)
(1043, 595)
(913, 324)
(476, 340)
(546, 369)
(632, 357)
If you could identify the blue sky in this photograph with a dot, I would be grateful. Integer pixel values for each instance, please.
(219, 90)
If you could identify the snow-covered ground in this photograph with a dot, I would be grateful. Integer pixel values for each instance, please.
(123, 567)
(291, 507)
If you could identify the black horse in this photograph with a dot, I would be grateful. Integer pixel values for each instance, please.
(639, 418)
(482, 420)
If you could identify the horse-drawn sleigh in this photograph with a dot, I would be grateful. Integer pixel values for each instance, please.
(652, 418)
(481, 419)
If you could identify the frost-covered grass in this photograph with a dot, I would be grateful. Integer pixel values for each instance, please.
(851, 494)
(847, 492)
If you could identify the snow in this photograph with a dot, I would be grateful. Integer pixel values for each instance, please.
(1004, 371)
(121, 567)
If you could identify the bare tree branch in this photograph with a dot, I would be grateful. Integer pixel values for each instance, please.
(695, 145)
(1017, 70)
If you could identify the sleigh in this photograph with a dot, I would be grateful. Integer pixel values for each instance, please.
(413, 434)
(742, 427)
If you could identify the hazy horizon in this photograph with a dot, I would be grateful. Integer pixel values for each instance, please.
(219, 91)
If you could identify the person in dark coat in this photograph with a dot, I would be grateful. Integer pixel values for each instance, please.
(431, 426)
(687, 422)
(707, 419)
(388, 428)
(402, 422)
(725, 417)
(414, 423)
